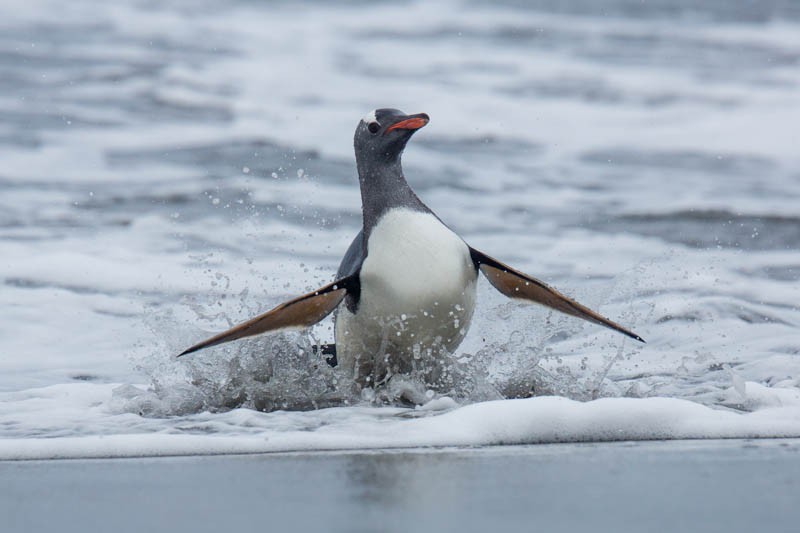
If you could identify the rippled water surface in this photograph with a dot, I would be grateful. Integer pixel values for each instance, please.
(171, 168)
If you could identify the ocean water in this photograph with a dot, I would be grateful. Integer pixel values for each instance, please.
(172, 168)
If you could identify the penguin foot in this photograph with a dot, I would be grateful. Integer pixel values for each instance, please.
(328, 351)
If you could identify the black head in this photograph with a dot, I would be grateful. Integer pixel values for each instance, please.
(382, 135)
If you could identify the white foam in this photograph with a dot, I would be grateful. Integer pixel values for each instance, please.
(94, 431)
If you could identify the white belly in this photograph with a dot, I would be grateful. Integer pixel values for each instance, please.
(417, 297)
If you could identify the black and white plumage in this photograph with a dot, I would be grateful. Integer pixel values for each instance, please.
(405, 291)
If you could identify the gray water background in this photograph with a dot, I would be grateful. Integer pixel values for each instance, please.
(170, 168)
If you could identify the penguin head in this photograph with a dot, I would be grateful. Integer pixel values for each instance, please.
(382, 134)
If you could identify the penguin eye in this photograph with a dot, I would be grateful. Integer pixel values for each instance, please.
(373, 127)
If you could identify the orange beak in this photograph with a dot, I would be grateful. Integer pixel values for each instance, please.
(408, 124)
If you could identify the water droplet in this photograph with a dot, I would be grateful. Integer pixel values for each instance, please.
(516, 339)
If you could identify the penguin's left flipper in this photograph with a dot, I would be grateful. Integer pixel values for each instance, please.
(299, 313)
(515, 284)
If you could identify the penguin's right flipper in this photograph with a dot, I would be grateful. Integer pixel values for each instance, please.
(299, 313)
(515, 284)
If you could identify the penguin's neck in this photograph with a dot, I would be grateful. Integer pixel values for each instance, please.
(384, 187)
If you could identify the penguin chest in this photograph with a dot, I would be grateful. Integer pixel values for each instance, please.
(414, 264)
(418, 287)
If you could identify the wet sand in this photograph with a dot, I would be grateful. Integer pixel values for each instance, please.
(726, 486)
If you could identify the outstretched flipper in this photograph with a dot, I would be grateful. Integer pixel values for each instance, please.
(302, 312)
(515, 284)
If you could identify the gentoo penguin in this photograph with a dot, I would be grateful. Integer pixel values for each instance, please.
(405, 289)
